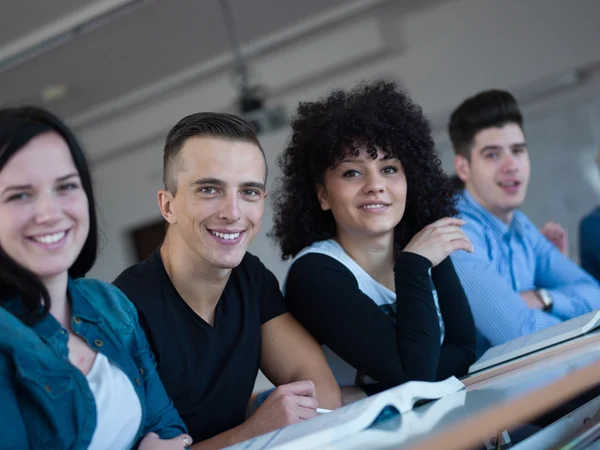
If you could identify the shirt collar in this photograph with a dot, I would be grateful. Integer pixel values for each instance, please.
(494, 223)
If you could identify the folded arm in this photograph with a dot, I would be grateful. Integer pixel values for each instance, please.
(324, 296)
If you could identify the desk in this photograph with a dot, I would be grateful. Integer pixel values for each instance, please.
(501, 402)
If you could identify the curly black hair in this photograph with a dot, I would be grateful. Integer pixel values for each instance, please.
(376, 115)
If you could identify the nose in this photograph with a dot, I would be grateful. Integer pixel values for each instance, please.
(510, 163)
(47, 209)
(373, 183)
(230, 210)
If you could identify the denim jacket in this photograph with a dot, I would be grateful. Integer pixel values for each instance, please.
(45, 401)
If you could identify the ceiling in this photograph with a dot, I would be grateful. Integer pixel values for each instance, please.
(156, 40)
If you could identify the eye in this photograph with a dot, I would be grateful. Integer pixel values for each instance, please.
(388, 170)
(71, 186)
(351, 173)
(207, 190)
(491, 155)
(20, 196)
(251, 192)
(519, 150)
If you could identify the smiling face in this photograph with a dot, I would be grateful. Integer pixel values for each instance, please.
(497, 174)
(217, 210)
(366, 196)
(44, 216)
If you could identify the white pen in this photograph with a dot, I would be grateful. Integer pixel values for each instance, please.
(323, 411)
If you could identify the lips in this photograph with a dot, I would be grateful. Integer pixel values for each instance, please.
(227, 236)
(49, 238)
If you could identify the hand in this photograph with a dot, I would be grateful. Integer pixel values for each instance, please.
(152, 442)
(439, 239)
(532, 300)
(557, 235)
(288, 404)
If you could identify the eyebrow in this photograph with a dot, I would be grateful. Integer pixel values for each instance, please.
(499, 147)
(21, 187)
(220, 183)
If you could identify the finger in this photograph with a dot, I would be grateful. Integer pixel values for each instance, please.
(459, 244)
(306, 413)
(303, 388)
(306, 402)
(447, 221)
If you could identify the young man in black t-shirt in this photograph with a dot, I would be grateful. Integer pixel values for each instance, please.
(212, 312)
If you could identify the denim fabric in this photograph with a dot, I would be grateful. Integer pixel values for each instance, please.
(45, 400)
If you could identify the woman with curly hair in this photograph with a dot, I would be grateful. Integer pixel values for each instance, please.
(366, 213)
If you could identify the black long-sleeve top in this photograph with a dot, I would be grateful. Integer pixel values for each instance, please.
(324, 296)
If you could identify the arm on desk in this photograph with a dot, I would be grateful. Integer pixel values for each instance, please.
(500, 313)
(574, 292)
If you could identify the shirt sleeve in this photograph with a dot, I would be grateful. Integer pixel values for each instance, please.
(574, 292)
(272, 304)
(589, 245)
(500, 313)
(12, 426)
(459, 347)
(324, 296)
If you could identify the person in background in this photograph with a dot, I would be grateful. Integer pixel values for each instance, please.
(76, 370)
(589, 238)
(213, 312)
(517, 280)
(366, 213)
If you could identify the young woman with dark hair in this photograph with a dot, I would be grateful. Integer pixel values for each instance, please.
(76, 370)
(366, 213)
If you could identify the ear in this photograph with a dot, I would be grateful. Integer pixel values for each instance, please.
(165, 203)
(322, 196)
(461, 164)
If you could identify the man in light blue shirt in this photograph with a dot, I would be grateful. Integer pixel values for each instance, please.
(517, 281)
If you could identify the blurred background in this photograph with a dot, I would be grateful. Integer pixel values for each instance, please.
(123, 72)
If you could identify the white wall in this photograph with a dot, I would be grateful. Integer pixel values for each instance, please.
(440, 55)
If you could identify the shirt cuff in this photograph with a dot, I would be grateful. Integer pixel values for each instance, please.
(407, 261)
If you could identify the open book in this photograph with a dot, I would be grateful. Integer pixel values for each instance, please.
(530, 343)
(327, 428)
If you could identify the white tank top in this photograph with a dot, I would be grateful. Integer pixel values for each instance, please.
(383, 297)
(118, 408)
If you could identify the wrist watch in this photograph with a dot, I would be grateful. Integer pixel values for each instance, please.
(546, 299)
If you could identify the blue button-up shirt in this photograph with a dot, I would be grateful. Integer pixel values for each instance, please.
(509, 259)
(45, 401)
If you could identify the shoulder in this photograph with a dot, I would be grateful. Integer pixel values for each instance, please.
(311, 266)
(592, 219)
(107, 299)
(139, 280)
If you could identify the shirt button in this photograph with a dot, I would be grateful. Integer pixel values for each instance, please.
(48, 388)
(138, 381)
(141, 371)
(63, 331)
(77, 319)
(98, 343)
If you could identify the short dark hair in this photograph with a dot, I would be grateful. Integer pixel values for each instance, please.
(493, 108)
(384, 119)
(18, 126)
(212, 124)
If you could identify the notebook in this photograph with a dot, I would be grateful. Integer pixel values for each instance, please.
(343, 422)
(530, 343)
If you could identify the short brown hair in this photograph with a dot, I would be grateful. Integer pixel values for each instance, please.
(219, 125)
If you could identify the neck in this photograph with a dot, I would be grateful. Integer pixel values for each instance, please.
(59, 304)
(197, 282)
(374, 254)
(504, 216)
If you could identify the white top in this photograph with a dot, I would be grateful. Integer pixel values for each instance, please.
(118, 408)
(344, 373)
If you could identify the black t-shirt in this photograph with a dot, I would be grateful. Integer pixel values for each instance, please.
(208, 372)
(324, 296)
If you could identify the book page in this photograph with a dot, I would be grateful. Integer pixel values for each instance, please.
(535, 341)
(351, 418)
